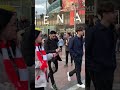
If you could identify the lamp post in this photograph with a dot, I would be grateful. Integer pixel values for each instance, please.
(74, 5)
(46, 7)
(36, 17)
(74, 17)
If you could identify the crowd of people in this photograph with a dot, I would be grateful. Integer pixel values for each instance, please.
(20, 60)
(53, 45)
(32, 63)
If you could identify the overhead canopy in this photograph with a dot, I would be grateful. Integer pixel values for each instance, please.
(55, 7)
(51, 1)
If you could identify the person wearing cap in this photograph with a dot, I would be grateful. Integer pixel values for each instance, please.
(14, 73)
(41, 59)
(76, 51)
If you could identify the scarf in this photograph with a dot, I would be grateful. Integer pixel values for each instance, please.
(42, 57)
(12, 62)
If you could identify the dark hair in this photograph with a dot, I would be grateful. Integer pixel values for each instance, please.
(79, 29)
(28, 46)
(105, 7)
(69, 34)
(5, 17)
(36, 34)
(52, 32)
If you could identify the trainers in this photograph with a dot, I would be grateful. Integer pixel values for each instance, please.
(54, 87)
(69, 78)
(81, 85)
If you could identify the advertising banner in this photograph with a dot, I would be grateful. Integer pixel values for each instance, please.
(68, 5)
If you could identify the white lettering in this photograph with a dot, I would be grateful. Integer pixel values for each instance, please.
(60, 19)
(45, 19)
(78, 17)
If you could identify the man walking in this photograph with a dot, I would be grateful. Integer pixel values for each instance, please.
(52, 47)
(76, 50)
(100, 49)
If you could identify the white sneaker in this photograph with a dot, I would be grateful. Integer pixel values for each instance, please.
(69, 78)
(82, 85)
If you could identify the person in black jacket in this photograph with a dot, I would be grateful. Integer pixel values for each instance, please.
(100, 48)
(96, 20)
(52, 47)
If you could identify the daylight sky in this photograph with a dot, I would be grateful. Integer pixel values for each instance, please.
(40, 6)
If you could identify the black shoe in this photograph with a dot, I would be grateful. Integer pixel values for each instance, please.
(48, 78)
(54, 87)
(59, 58)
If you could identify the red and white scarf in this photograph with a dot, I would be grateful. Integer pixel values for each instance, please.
(42, 57)
(20, 79)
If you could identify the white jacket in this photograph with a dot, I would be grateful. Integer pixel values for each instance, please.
(42, 82)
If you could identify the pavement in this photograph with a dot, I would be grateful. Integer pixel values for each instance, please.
(61, 75)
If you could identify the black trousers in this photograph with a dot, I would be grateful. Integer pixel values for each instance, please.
(51, 72)
(42, 88)
(67, 53)
(61, 48)
(118, 45)
(87, 78)
(32, 86)
(77, 70)
(102, 80)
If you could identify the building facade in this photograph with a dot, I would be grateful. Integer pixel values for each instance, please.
(61, 7)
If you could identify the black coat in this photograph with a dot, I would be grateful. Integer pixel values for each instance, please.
(100, 48)
(50, 46)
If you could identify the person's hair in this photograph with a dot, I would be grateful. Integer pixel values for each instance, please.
(37, 33)
(52, 32)
(28, 46)
(79, 29)
(5, 17)
(105, 7)
(69, 33)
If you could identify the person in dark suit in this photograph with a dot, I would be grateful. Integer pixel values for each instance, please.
(100, 48)
(76, 51)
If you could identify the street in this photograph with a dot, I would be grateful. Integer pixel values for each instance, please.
(61, 76)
